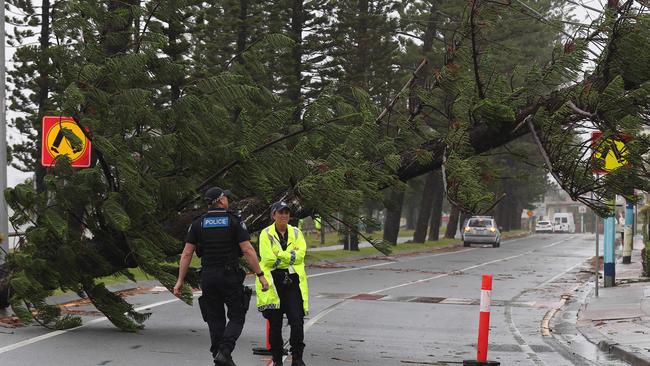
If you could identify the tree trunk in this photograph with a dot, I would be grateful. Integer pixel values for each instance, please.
(436, 210)
(43, 81)
(370, 211)
(361, 69)
(294, 91)
(343, 233)
(4, 286)
(242, 31)
(515, 213)
(411, 215)
(393, 215)
(452, 225)
(426, 204)
(354, 240)
(463, 218)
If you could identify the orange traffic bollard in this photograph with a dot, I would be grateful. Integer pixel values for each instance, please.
(266, 351)
(483, 326)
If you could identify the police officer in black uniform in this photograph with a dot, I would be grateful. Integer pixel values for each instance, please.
(220, 238)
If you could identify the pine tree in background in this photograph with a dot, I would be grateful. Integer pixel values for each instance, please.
(430, 23)
(32, 79)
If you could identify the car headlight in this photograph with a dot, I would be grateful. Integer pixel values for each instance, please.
(493, 229)
(466, 229)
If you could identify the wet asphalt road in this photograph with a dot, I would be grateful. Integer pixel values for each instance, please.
(407, 310)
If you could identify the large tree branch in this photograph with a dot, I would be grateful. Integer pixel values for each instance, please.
(475, 53)
(408, 84)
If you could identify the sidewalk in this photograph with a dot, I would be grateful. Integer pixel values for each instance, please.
(618, 321)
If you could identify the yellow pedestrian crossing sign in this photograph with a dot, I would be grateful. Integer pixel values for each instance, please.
(609, 154)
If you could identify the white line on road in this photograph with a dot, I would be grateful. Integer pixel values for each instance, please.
(55, 333)
(465, 269)
(43, 337)
(387, 263)
(333, 307)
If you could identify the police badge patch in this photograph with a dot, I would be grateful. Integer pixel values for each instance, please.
(215, 222)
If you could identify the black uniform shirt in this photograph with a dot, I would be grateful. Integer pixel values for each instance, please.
(283, 238)
(217, 234)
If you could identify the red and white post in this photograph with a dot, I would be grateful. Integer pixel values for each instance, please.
(265, 350)
(483, 326)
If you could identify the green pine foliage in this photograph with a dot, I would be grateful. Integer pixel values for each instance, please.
(178, 96)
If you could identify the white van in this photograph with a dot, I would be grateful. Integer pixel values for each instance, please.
(563, 223)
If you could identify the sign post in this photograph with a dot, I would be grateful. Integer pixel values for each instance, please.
(609, 154)
(4, 219)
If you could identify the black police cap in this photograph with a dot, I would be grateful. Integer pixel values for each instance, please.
(214, 193)
(279, 206)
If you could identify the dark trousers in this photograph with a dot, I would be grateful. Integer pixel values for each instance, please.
(223, 287)
(290, 304)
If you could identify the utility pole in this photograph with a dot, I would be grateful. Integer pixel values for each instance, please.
(4, 226)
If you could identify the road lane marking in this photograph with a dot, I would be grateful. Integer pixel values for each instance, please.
(55, 333)
(467, 269)
(387, 263)
(333, 307)
(43, 337)
(416, 258)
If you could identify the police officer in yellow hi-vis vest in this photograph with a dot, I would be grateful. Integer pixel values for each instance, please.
(282, 251)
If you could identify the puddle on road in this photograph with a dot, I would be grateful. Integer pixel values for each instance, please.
(582, 347)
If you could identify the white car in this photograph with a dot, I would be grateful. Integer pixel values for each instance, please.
(481, 230)
(543, 227)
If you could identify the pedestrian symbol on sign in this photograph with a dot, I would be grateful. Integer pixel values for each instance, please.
(62, 136)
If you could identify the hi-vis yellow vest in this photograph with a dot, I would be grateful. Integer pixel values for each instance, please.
(273, 257)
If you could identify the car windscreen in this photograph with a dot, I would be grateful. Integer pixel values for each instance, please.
(543, 223)
(480, 223)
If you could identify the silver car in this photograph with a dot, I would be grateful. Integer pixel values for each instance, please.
(544, 227)
(481, 230)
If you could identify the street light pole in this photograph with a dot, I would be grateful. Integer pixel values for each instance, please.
(4, 226)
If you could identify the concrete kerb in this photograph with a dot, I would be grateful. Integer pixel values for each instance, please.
(606, 344)
(625, 353)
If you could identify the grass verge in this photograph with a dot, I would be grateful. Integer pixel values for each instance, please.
(329, 255)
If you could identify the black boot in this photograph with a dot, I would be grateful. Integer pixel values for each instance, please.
(296, 357)
(277, 361)
(223, 358)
